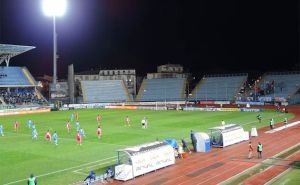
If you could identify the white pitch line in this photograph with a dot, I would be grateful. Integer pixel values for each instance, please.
(62, 170)
(81, 173)
(89, 167)
(282, 127)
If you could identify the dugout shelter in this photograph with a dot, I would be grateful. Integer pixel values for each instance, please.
(228, 134)
(141, 159)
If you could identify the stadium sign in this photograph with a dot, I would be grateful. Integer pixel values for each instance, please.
(250, 110)
(249, 102)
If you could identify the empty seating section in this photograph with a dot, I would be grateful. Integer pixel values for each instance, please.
(218, 88)
(164, 89)
(14, 76)
(97, 91)
(282, 85)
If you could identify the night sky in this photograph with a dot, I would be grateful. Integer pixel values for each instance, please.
(204, 36)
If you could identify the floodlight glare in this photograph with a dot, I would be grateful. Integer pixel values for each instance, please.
(54, 7)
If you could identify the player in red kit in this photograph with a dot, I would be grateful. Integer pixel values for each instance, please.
(98, 119)
(48, 136)
(68, 126)
(78, 137)
(16, 126)
(99, 132)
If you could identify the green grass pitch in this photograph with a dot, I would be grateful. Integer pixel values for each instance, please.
(68, 163)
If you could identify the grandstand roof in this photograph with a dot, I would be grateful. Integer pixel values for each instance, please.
(7, 51)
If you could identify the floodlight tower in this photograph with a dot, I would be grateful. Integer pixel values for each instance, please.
(54, 8)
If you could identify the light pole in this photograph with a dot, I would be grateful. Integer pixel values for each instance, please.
(255, 89)
(54, 8)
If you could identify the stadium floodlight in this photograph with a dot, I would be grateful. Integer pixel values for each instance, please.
(54, 8)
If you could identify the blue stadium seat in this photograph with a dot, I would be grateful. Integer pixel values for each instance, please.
(15, 76)
(218, 87)
(163, 89)
(97, 91)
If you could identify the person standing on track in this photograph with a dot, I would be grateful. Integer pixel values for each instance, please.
(285, 122)
(250, 150)
(271, 123)
(259, 150)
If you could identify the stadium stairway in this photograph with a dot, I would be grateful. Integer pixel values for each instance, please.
(129, 97)
(39, 95)
(185, 84)
(233, 98)
(141, 90)
(197, 87)
(28, 75)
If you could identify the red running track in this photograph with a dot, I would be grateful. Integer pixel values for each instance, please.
(221, 163)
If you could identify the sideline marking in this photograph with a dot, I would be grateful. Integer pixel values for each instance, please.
(282, 127)
(89, 167)
(62, 170)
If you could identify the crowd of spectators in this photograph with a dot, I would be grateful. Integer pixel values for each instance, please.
(258, 90)
(20, 96)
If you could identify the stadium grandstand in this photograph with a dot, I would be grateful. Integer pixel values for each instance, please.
(167, 84)
(95, 91)
(218, 87)
(17, 85)
(162, 89)
(275, 87)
